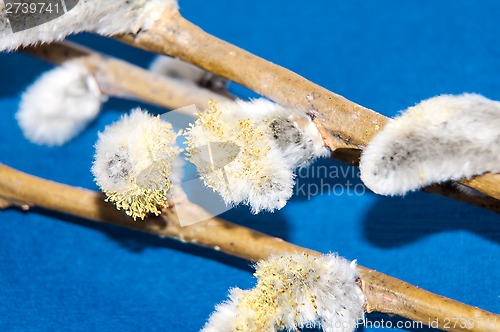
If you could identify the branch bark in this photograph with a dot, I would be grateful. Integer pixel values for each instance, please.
(383, 293)
(488, 183)
(342, 123)
(121, 79)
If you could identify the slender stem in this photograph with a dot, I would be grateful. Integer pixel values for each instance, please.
(118, 78)
(337, 118)
(342, 123)
(447, 189)
(488, 183)
(121, 79)
(383, 293)
(4, 204)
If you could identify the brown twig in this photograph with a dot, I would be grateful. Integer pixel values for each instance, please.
(342, 123)
(4, 204)
(121, 79)
(383, 293)
(488, 183)
(446, 189)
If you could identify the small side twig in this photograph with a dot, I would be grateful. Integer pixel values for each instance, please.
(488, 183)
(383, 293)
(118, 78)
(4, 204)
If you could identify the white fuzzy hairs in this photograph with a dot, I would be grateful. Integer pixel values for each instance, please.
(293, 292)
(267, 143)
(178, 69)
(443, 138)
(59, 105)
(134, 161)
(105, 17)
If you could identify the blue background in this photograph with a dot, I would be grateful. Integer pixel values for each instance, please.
(62, 274)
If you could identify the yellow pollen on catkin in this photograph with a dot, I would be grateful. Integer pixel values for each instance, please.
(148, 147)
(242, 132)
(140, 203)
(277, 277)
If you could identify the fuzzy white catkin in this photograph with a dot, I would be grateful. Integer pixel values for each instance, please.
(294, 291)
(224, 318)
(105, 17)
(133, 163)
(175, 68)
(59, 105)
(443, 138)
(186, 72)
(269, 145)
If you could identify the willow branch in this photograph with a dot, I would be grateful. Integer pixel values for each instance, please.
(4, 204)
(383, 293)
(342, 123)
(338, 119)
(446, 189)
(488, 183)
(121, 79)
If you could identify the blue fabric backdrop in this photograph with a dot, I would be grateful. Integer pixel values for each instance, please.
(62, 274)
